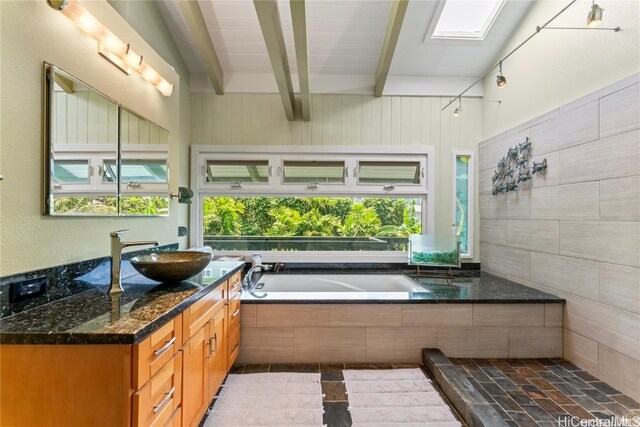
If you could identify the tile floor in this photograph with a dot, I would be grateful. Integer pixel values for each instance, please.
(335, 400)
(540, 392)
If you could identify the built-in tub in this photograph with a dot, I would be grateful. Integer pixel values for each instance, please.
(337, 283)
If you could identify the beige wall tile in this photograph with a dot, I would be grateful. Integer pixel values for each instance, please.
(399, 345)
(606, 241)
(620, 371)
(493, 231)
(535, 342)
(518, 204)
(365, 314)
(581, 351)
(620, 199)
(572, 275)
(474, 342)
(331, 345)
(266, 345)
(551, 175)
(437, 314)
(248, 315)
(574, 127)
(619, 111)
(534, 235)
(612, 157)
(505, 261)
(290, 315)
(492, 207)
(566, 202)
(508, 315)
(485, 185)
(553, 315)
(620, 286)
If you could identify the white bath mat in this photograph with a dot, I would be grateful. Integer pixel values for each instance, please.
(268, 399)
(395, 397)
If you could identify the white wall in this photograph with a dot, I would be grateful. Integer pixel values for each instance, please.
(357, 120)
(558, 66)
(32, 32)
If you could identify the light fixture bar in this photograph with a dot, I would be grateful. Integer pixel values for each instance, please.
(616, 29)
(538, 29)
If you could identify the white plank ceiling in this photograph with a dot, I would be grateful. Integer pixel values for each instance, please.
(345, 39)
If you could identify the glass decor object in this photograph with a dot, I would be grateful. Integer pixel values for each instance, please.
(434, 250)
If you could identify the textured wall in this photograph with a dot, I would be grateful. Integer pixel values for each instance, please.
(347, 120)
(32, 32)
(575, 232)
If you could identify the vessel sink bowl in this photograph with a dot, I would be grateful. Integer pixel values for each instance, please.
(170, 266)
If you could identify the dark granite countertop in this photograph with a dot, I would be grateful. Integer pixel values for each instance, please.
(484, 288)
(94, 317)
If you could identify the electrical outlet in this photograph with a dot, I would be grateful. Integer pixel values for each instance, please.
(27, 288)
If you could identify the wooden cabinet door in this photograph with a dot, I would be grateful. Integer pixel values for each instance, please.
(218, 348)
(195, 377)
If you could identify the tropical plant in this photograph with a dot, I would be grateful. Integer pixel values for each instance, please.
(222, 216)
(361, 221)
(313, 223)
(286, 222)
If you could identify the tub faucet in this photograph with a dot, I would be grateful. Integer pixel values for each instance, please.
(246, 282)
(117, 245)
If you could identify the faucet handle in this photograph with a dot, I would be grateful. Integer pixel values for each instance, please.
(118, 233)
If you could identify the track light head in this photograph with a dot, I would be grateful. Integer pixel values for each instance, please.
(457, 112)
(501, 80)
(594, 17)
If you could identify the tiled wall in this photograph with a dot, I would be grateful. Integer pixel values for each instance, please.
(339, 333)
(575, 232)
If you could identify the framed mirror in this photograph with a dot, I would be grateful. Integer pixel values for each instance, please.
(102, 159)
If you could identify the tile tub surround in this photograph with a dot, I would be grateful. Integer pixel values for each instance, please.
(575, 231)
(534, 392)
(396, 331)
(62, 280)
(95, 317)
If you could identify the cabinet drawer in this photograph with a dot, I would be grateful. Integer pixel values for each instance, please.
(235, 285)
(176, 418)
(234, 314)
(156, 402)
(233, 345)
(152, 353)
(196, 316)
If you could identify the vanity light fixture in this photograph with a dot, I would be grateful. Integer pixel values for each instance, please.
(501, 80)
(594, 17)
(110, 46)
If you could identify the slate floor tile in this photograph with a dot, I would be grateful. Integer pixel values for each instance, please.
(578, 411)
(331, 371)
(522, 419)
(255, 369)
(336, 414)
(598, 396)
(604, 388)
(559, 397)
(533, 391)
(306, 368)
(334, 391)
(626, 401)
(236, 369)
(542, 384)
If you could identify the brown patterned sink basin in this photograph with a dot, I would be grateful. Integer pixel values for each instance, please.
(170, 266)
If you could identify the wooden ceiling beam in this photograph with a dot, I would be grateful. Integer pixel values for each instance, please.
(198, 28)
(299, 21)
(269, 18)
(394, 24)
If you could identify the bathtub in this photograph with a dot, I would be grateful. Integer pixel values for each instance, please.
(337, 283)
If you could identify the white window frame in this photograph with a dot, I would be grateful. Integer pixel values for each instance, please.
(471, 189)
(276, 154)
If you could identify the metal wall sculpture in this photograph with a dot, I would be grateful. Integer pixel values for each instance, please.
(514, 168)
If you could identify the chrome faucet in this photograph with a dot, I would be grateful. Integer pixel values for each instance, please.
(246, 282)
(116, 258)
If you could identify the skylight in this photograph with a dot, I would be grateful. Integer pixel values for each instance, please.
(467, 19)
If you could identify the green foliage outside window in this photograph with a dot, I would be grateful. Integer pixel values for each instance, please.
(309, 216)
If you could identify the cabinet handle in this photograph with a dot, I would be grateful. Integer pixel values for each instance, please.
(164, 401)
(236, 312)
(236, 287)
(159, 352)
(214, 347)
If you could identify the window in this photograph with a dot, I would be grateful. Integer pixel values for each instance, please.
(311, 203)
(465, 19)
(463, 201)
(71, 171)
(136, 171)
(237, 171)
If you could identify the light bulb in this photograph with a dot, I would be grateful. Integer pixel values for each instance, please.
(165, 87)
(594, 17)
(501, 80)
(457, 112)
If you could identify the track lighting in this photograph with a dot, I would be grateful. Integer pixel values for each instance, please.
(501, 80)
(458, 110)
(110, 46)
(594, 17)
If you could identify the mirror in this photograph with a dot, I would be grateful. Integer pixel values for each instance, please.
(102, 158)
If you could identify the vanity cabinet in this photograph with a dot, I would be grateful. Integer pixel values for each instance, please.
(167, 379)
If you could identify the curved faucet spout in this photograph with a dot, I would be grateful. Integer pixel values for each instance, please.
(116, 258)
(246, 282)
